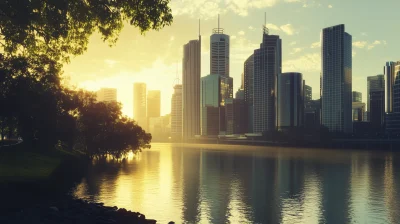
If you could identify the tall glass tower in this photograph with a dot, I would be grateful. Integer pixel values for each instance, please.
(267, 66)
(337, 79)
(191, 89)
(219, 47)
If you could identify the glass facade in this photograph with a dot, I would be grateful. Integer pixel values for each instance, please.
(358, 111)
(249, 89)
(336, 88)
(267, 65)
(176, 112)
(307, 93)
(290, 101)
(219, 58)
(388, 71)
(191, 89)
(374, 83)
(357, 97)
(215, 89)
(139, 104)
(377, 110)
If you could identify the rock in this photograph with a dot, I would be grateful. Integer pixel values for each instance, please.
(54, 209)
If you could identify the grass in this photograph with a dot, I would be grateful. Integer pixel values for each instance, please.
(19, 164)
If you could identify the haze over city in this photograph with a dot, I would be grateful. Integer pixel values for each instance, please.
(156, 57)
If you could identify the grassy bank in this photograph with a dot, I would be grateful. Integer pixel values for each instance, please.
(20, 164)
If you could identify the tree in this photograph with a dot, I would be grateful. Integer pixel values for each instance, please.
(61, 28)
(104, 131)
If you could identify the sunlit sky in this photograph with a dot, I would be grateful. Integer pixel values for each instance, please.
(156, 57)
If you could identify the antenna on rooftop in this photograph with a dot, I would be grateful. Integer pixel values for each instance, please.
(265, 29)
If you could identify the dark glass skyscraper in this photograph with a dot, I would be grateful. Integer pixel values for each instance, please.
(290, 101)
(249, 90)
(357, 97)
(267, 65)
(336, 79)
(307, 93)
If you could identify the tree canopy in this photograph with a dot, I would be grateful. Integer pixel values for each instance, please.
(61, 28)
(36, 38)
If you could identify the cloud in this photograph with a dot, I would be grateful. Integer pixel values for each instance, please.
(110, 63)
(304, 63)
(241, 33)
(296, 50)
(172, 38)
(364, 34)
(330, 6)
(273, 27)
(360, 44)
(233, 37)
(376, 42)
(207, 9)
(251, 28)
(288, 29)
(316, 44)
(293, 43)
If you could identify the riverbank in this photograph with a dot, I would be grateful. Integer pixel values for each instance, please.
(68, 210)
(35, 186)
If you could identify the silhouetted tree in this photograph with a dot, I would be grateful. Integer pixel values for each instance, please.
(61, 28)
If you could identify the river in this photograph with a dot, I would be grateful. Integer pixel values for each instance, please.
(246, 184)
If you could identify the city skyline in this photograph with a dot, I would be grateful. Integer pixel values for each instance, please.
(135, 59)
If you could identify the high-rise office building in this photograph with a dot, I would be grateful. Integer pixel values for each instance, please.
(312, 115)
(358, 109)
(235, 115)
(357, 97)
(215, 89)
(191, 89)
(290, 101)
(107, 95)
(392, 99)
(239, 94)
(374, 83)
(248, 90)
(388, 71)
(337, 79)
(267, 65)
(219, 52)
(176, 113)
(153, 103)
(376, 108)
(139, 104)
(307, 93)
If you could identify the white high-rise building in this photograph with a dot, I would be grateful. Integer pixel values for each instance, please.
(139, 104)
(191, 67)
(107, 95)
(219, 48)
(176, 113)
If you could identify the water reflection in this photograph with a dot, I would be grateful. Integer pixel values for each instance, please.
(238, 184)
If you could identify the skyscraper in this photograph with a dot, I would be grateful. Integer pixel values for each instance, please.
(307, 93)
(357, 97)
(191, 89)
(248, 90)
(392, 94)
(107, 95)
(336, 79)
(153, 103)
(215, 90)
(290, 101)
(219, 48)
(267, 65)
(176, 113)
(139, 104)
(374, 83)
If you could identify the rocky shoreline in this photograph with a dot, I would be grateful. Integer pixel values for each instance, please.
(69, 210)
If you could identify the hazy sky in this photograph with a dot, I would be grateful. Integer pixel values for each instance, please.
(156, 58)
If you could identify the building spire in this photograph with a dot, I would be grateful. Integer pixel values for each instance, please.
(218, 21)
(265, 29)
(218, 30)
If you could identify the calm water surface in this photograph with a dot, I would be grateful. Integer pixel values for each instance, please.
(242, 184)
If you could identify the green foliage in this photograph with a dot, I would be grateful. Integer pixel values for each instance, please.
(61, 28)
(104, 131)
